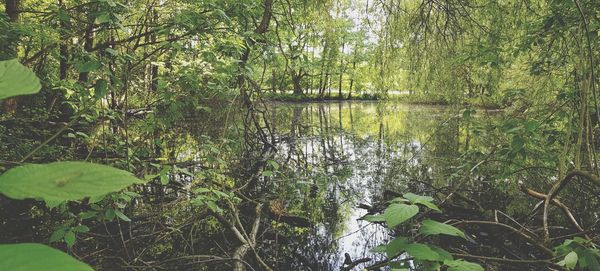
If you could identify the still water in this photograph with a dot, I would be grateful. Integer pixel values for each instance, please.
(360, 150)
(335, 157)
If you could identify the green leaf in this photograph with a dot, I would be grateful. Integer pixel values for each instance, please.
(416, 198)
(399, 200)
(96, 199)
(57, 235)
(444, 255)
(430, 227)
(111, 51)
(460, 265)
(395, 214)
(16, 79)
(63, 15)
(213, 206)
(396, 246)
(121, 215)
(100, 89)
(87, 215)
(571, 260)
(81, 228)
(53, 203)
(28, 257)
(102, 18)
(423, 200)
(589, 259)
(88, 66)
(109, 214)
(70, 238)
(64, 181)
(164, 175)
(422, 252)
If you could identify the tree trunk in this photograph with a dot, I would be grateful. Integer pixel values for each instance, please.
(9, 106)
(87, 46)
(341, 71)
(352, 79)
(262, 28)
(296, 83)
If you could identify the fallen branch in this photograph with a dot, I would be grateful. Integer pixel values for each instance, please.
(555, 202)
(557, 187)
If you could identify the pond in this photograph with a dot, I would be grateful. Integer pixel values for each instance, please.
(363, 149)
(336, 159)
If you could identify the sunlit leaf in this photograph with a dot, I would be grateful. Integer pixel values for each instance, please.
(571, 260)
(64, 181)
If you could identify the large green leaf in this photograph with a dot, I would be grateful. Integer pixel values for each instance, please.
(430, 227)
(422, 252)
(395, 214)
(16, 79)
(37, 257)
(460, 265)
(64, 181)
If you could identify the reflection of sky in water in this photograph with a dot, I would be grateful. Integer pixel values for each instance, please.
(327, 137)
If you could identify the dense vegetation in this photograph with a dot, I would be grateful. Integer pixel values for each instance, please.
(143, 135)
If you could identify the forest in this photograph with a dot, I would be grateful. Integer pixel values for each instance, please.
(247, 135)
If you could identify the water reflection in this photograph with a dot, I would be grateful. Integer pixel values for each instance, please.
(351, 153)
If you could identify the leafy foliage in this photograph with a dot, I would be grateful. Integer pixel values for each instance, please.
(422, 253)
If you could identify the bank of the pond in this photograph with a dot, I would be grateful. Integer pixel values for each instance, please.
(402, 98)
(290, 97)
